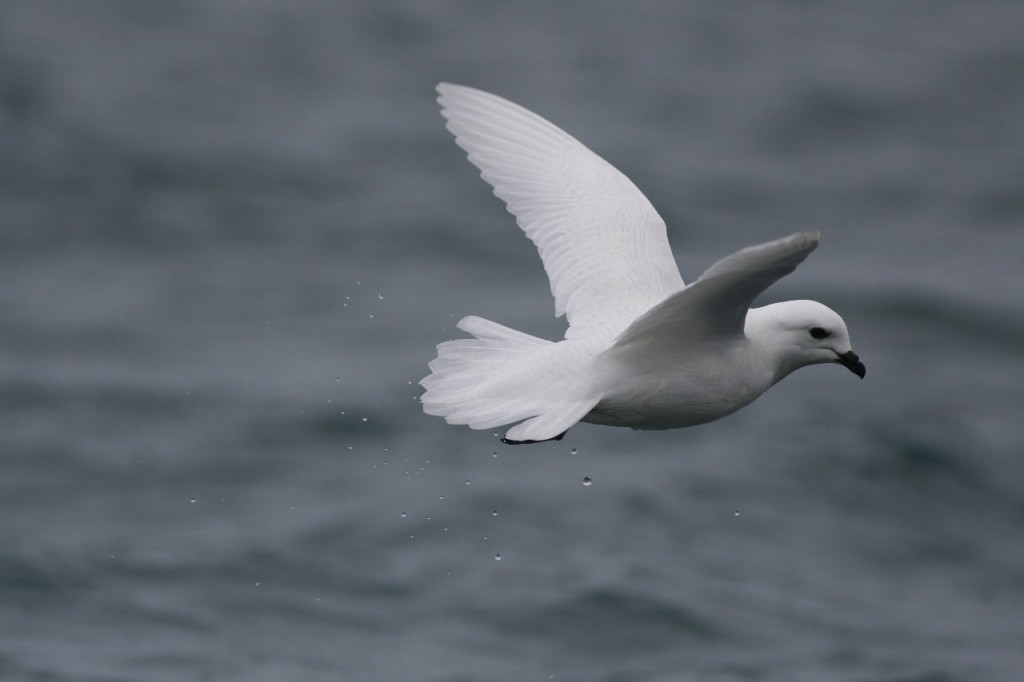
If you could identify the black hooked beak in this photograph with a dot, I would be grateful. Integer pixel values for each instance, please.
(850, 361)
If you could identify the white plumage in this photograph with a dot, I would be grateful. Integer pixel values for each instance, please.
(642, 349)
(603, 245)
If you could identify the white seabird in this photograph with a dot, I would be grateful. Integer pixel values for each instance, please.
(642, 349)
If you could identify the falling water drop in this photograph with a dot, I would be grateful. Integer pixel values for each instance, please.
(587, 480)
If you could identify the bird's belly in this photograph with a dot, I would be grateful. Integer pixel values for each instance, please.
(669, 402)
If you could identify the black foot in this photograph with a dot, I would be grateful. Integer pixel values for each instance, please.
(560, 436)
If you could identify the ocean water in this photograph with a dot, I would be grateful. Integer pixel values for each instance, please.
(231, 234)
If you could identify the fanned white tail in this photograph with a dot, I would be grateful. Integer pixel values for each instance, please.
(504, 376)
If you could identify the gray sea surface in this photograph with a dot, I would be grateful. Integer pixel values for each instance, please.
(232, 233)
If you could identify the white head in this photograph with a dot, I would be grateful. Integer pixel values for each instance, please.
(799, 333)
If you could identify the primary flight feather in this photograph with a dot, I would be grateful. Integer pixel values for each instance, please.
(642, 349)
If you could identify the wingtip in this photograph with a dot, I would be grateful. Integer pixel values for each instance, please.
(448, 94)
(807, 239)
(445, 88)
(442, 89)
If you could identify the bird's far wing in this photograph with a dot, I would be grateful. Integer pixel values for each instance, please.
(716, 304)
(603, 245)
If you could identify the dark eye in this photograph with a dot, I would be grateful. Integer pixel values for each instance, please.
(819, 333)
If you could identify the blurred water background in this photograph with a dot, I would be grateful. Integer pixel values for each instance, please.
(231, 234)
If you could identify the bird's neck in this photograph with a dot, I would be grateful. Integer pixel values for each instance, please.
(767, 343)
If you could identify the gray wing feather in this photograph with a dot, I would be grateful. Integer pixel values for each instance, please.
(717, 303)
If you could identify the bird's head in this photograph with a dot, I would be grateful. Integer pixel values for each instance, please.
(800, 333)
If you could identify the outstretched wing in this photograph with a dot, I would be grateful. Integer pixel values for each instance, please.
(717, 303)
(603, 245)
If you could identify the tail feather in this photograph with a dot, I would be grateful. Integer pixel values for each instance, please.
(503, 376)
(464, 370)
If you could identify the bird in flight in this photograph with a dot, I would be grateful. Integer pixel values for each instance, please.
(642, 349)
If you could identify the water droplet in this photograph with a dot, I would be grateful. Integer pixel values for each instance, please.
(573, 451)
(736, 513)
(257, 585)
(587, 480)
(497, 557)
(403, 515)
(192, 500)
(371, 316)
(441, 497)
(380, 297)
(467, 481)
(366, 419)
(494, 513)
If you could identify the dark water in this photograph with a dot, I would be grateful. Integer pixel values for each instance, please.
(232, 232)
